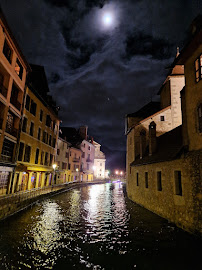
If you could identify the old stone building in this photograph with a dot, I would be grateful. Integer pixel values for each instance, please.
(99, 162)
(13, 70)
(38, 137)
(164, 162)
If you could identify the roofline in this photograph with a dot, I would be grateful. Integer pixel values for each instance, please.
(13, 40)
(59, 138)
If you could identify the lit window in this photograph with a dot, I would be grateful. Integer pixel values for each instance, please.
(18, 68)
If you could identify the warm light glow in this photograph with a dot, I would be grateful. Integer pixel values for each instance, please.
(117, 172)
(121, 173)
(77, 169)
(54, 166)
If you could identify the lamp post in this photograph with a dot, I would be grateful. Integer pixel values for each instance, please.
(54, 167)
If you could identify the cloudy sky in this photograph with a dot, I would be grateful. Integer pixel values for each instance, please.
(103, 59)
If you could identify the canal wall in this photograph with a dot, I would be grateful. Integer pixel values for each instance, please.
(13, 203)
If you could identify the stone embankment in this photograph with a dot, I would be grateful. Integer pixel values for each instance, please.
(13, 203)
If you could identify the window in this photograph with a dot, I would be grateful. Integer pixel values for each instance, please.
(18, 68)
(83, 155)
(7, 51)
(31, 132)
(42, 157)
(27, 104)
(198, 68)
(37, 156)
(159, 181)
(137, 179)
(162, 118)
(58, 152)
(84, 145)
(88, 147)
(41, 115)
(101, 164)
(66, 155)
(54, 142)
(39, 134)
(27, 153)
(33, 108)
(48, 121)
(7, 150)
(51, 160)
(21, 149)
(24, 125)
(44, 137)
(178, 183)
(70, 153)
(146, 180)
(200, 118)
(50, 140)
(64, 166)
(46, 159)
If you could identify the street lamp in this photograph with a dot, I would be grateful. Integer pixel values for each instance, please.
(77, 172)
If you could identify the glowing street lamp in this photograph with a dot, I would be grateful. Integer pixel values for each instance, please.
(121, 173)
(54, 167)
(117, 172)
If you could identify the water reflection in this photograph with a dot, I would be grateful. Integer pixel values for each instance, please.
(93, 227)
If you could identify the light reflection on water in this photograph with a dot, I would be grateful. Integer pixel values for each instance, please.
(94, 227)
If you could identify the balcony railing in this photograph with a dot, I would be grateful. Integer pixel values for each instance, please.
(5, 158)
(12, 131)
(3, 90)
(76, 159)
(16, 103)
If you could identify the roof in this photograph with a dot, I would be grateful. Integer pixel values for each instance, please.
(71, 135)
(13, 40)
(169, 147)
(149, 109)
(193, 42)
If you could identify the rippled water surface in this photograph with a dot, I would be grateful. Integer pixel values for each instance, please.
(95, 227)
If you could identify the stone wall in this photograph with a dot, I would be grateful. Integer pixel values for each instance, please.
(186, 210)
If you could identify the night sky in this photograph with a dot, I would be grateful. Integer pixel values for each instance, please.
(103, 59)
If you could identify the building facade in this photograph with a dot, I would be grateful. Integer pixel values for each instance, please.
(38, 137)
(62, 160)
(75, 164)
(99, 162)
(164, 175)
(13, 70)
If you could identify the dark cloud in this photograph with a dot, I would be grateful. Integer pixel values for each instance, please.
(98, 75)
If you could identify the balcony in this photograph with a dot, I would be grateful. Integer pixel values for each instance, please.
(89, 160)
(76, 159)
(15, 103)
(3, 90)
(11, 130)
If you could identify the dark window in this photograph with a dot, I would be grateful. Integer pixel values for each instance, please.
(198, 68)
(178, 183)
(31, 132)
(146, 180)
(137, 179)
(69, 166)
(88, 147)
(37, 156)
(70, 153)
(39, 134)
(46, 159)
(200, 117)
(48, 121)
(66, 154)
(41, 115)
(20, 154)
(64, 166)
(42, 157)
(24, 125)
(44, 137)
(54, 142)
(27, 153)
(18, 68)
(58, 152)
(159, 181)
(7, 150)
(83, 155)
(51, 160)
(50, 140)
(33, 108)
(7, 51)
(27, 105)
(14, 97)
(162, 118)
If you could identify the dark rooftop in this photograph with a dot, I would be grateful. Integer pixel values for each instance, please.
(169, 147)
(149, 109)
(71, 135)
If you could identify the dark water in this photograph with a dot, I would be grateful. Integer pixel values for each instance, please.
(95, 227)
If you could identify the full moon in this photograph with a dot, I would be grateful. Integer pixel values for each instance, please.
(107, 19)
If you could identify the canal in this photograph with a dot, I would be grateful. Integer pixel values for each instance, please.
(95, 227)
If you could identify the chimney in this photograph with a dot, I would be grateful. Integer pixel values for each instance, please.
(152, 138)
(83, 131)
(142, 143)
(178, 52)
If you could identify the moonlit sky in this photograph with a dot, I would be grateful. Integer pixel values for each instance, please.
(103, 59)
